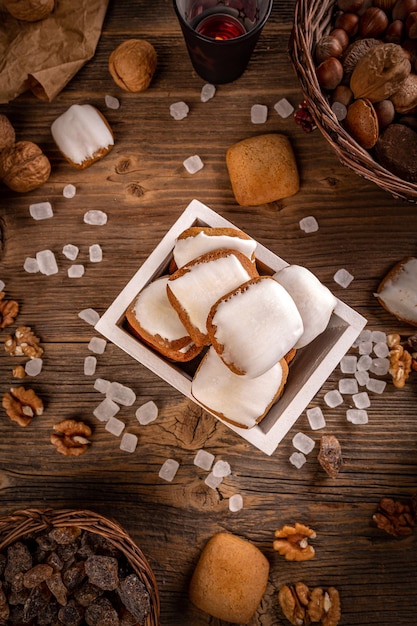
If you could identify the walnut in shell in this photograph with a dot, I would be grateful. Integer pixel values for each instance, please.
(132, 65)
(29, 10)
(380, 72)
(24, 167)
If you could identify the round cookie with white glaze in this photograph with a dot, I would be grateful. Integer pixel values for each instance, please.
(254, 326)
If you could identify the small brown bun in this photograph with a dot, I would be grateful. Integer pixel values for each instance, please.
(397, 292)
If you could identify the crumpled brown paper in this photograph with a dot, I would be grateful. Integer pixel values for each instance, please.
(44, 56)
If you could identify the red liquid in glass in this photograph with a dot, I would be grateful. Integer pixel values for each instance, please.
(220, 26)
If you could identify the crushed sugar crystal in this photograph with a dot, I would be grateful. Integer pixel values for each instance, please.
(375, 385)
(362, 377)
(179, 110)
(259, 114)
(364, 363)
(70, 251)
(357, 416)
(90, 316)
(213, 481)
(111, 102)
(348, 385)
(365, 347)
(95, 217)
(235, 503)
(97, 345)
(105, 410)
(115, 426)
(339, 110)
(90, 364)
(309, 224)
(381, 349)
(297, 459)
(101, 385)
(379, 366)
(34, 367)
(303, 443)
(41, 210)
(204, 459)
(69, 191)
(168, 469)
(95, 253)
(147, 413)
(193, 164)
(47, 262)
(76, 271)
(365, 335)
(343, 278)
(208, 92)
(333, 398)
(348, 364)
(315, 418)
(31, 265)
(361, 400)
(284, 108)
(378, 336)
(221, 469)
(129, 442)
(121, 394)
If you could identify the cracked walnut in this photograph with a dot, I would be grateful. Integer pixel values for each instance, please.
(8, 311)
(292, 542)
(23, 343)
(302, 606)
(71, 438)
(22, 405)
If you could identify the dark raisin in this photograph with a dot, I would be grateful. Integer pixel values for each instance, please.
(74, 576)
(134, 596)
(57, 588)
(102, 571)
(330, 455)
(37, 575)
(87, 594)
(19, 560)
(72, 614)
(37, 602)
(101, 613)
(64, 536)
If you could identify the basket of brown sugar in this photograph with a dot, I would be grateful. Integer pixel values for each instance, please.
(356, 61)
(73, 568)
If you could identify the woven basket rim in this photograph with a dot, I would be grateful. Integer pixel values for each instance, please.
(312, 20)
(22, 522)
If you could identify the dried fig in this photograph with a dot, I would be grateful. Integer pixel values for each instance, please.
(24, 166)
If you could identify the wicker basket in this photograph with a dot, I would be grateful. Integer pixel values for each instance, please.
(22, 523)
(312, 20)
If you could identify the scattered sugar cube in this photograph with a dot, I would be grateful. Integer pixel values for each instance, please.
(128, 442)
(303, 443)
(193, 164)
(365, 347)
(97, 345)
(378, 336)
(147, 413)
(95, 253)
(362, 377)
(297, 459)
(115, 426)
(204, 460)
(333, 398)
(168, 469)
(69, 191)
(207, 92)
(259, 114)
(340, 110)
(121, 394)
(348, 364)
(31, 265)
(76, 271)
(364, 363)
(111, 102)
(179, 110)
(90, 363)
(90, 316)
(105, 410)
(235, 503)
(379, 366)
(361, 400)
(213, 481)
(343, 278)
(357, 416)
(309, 224)
(375, 385)
(47, 262)
(348, 385)
(316, 418)
(381, 349)
(41, 210)
(221, 469)
(95, 217)
(102, 385)
(33, 367)
(364, 335)
(70, 251)
(284, 108)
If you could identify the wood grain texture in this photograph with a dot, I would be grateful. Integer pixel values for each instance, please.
(143, 188)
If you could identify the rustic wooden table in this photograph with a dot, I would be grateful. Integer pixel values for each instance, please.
(143, 187)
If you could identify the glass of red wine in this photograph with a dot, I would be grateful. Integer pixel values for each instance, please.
(221, 34)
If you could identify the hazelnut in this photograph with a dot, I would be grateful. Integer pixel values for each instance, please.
(29, 10)
(132, 65)
(326, 47)
(411, 25)
(395, 32)
(348, 21)
(350, 6)
(385, 113)
(385, 5)
(7, 133)
(330, 73)
(342, 36)
(373, 22)
(362, 123)
(24, 167)
(343, 94)
(402, 8)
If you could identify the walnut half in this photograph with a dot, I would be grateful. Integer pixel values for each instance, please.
(292, 542)
(302, 606)
(22, 405)
(71, 438)
(23, 343)
(8, 311)
(395, 517)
